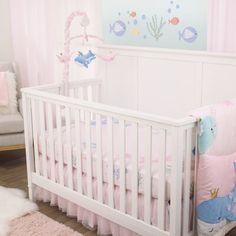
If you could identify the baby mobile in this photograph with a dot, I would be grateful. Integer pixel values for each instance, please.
(82, 58)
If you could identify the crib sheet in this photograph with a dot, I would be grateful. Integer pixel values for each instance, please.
(143, 137)
(116, 160)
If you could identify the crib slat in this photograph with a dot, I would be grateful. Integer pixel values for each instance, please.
(161, 208)
(72, 93)
(147, 180)
(76, 92)
(176, 182)
(187, 181)
(51, 140)
(68, 148)
(43, 138)
(88, 154)
(85, 93)
(59, 146)
(99, 157)
(99, 92)
(122, 141)
(78, 151)
(35, 135)
(110, 163)
(135, 173)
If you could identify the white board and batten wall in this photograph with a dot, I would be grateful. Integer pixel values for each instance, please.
(166, 82)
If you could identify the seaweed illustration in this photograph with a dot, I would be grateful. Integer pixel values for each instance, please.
(155, 29)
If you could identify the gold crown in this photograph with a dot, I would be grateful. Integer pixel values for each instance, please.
(214, 192)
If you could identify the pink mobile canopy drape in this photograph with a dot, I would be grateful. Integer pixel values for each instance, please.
(221, 26)
(38, 34)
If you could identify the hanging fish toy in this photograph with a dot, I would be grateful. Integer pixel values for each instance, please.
(85, 59)
(189, 34)
(118, 28)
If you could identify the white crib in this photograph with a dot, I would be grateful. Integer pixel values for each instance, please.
(47, 113)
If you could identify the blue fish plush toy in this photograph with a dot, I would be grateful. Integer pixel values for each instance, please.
(85, 59)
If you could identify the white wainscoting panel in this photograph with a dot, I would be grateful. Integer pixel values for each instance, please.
(121, 82)
(219, 83)
(168, 88)
(167, 82)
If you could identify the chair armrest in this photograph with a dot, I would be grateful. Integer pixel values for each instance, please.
(20, 106)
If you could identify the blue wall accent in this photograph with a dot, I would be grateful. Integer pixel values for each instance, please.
(176, 24)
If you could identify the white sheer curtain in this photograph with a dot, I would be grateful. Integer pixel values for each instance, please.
(221, 28)
(37, 31)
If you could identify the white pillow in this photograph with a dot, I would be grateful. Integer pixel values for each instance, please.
(11, 108)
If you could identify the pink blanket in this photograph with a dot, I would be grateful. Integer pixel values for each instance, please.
(3, 89)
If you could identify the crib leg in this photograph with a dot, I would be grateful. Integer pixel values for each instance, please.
(28, 143)
(31, 192)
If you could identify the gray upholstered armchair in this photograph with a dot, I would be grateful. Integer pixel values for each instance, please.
(12, 125)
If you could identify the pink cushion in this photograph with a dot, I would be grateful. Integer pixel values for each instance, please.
(215, 172)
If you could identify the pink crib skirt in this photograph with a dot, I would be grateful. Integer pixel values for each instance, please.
(91, 220)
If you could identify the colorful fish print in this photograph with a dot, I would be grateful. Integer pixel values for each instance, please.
(189, 34)
(85, 59)
(133, 14)
(135, 32)
(207, 134)
(174, 21)
(118, 28)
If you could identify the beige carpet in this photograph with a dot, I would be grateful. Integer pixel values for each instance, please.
(37, 224)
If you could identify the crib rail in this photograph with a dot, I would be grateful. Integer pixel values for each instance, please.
(73, 146)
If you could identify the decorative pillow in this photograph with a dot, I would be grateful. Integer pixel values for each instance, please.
(216, 176)
(216, 192)
(11, 108)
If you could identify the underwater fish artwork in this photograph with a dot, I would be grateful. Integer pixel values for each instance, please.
(144, 17)
(85, 59)
(118, 28)
(135, 22)
(155, 28)
(174, 21)
(189, 34)
(133, 14)
(135, 32)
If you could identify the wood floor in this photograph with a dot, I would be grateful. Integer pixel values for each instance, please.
(13, 174)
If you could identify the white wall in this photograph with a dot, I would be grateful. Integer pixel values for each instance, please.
(6, 53)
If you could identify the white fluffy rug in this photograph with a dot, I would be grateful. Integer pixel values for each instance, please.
(13, 204)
